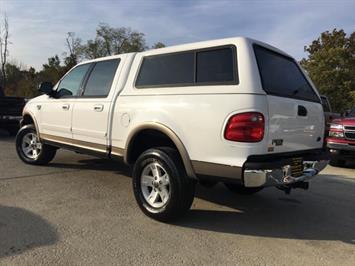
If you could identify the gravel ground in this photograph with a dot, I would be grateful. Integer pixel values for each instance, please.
(80, 210)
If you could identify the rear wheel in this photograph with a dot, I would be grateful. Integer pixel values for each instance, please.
(161, 187)
(337, 162)
(30, 149)
(240, 189)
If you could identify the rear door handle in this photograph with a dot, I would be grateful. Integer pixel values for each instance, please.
(98, 108)
(302, 111)
(65, 107)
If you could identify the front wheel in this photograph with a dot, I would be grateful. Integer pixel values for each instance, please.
(240, 189)
(30, 149)
(161, 187)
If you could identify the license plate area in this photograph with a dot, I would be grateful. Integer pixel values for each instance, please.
(297, 167)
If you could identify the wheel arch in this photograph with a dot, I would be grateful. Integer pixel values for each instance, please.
(167, 132)
(27, 119)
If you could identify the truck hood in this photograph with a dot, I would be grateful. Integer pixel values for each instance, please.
(345, 120)
(38, 99)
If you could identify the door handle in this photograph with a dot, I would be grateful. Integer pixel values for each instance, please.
(65, 107)
(302, 111)
(98, 108)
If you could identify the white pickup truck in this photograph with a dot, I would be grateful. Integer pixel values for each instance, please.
(234, 110)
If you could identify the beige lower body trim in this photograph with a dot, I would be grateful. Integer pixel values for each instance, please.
(74, 142)
(218, 170)
(117, 151)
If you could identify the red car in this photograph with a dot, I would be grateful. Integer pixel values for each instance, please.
(341, 140)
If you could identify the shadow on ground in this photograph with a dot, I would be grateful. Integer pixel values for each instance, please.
(21, 230)
(95, 164)
(308, 217)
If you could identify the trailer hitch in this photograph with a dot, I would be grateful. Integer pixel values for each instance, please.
(287, 188)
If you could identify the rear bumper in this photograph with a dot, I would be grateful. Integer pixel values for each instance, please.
(283, 175)
(276, 170)
(267, 170)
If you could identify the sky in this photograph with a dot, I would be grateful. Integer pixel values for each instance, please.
(38, 28)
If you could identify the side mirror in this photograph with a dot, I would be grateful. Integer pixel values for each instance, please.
(46, 88)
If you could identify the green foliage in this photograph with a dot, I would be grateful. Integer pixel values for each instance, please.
(111, 41)
(21, 82)
(331, 66)
(52, 71)
(158, 45)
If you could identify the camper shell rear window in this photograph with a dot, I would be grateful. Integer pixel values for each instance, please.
(281, 76)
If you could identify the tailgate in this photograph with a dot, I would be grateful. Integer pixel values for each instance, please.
(294, 124)
(296, 118)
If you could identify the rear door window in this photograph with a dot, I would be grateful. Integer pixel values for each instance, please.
(281, 76)
(100, 80)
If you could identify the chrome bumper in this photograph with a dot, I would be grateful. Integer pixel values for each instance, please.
(10, 117)
(282, 176)
(340, 146)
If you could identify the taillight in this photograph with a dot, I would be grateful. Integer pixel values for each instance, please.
(336, 131)
(245, 127)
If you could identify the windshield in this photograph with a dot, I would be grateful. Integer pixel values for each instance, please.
(325, 104)
(352, 112)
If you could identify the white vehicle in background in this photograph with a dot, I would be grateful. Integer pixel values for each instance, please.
(234, 110)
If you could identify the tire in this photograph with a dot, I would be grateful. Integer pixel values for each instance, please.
(170, 195)
(242, 190)
(337, 162)
(44, 153)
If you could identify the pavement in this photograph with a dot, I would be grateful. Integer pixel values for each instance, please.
(80, 210)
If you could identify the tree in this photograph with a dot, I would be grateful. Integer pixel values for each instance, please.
(21, 82)
(4, 52)
(111, 41)
(73, 45)
(331, 66)
(52, 71)
(158, 45)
